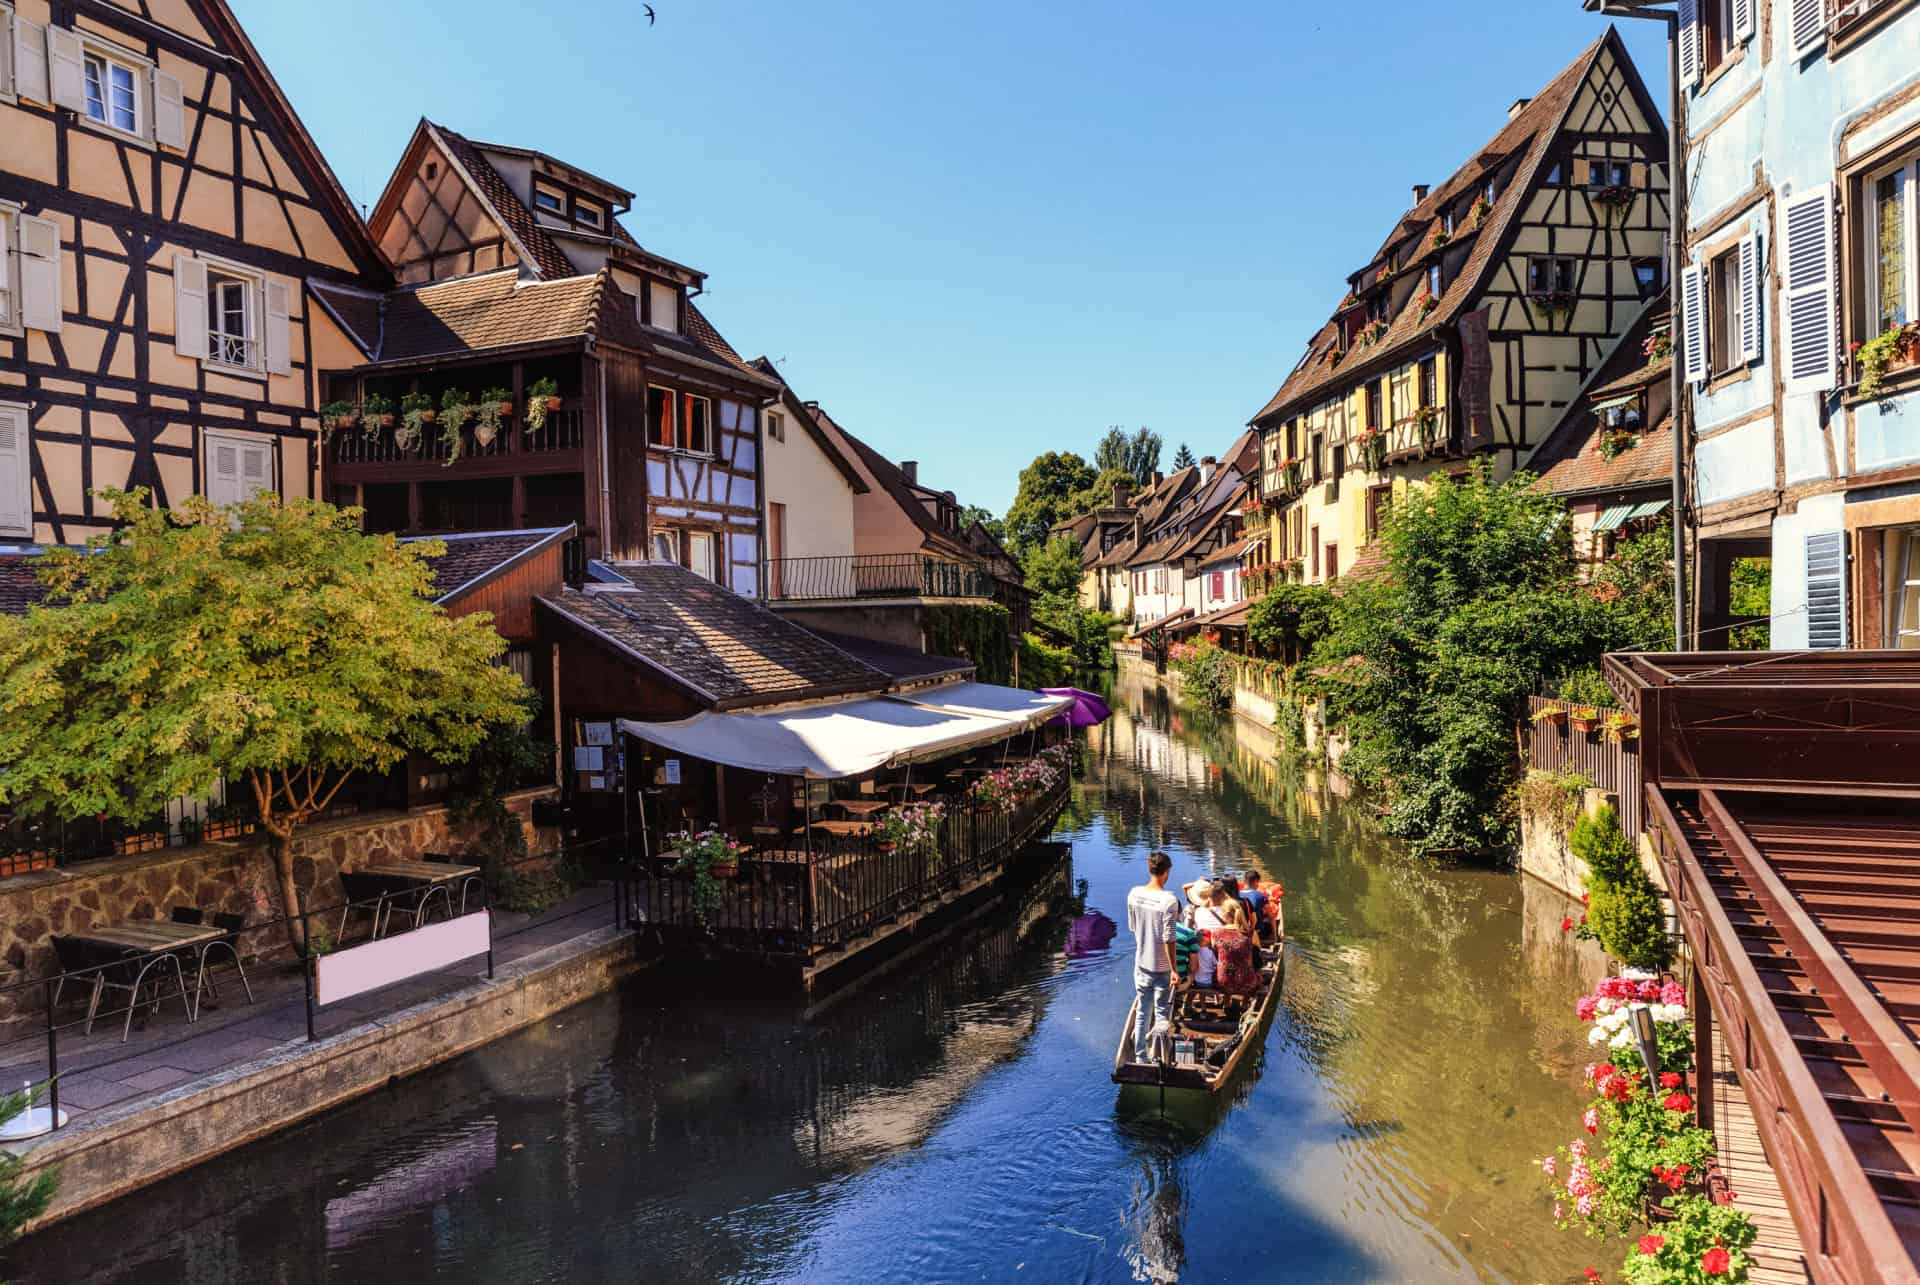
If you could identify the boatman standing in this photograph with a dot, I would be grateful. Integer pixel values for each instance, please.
(1152, 912)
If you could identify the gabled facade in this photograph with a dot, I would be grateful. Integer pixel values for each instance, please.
(1095, 534)
(811, 486)
(522, 278)
(165, 226)
(1165, 566)
(1487, 307)
(1118, 584)
(1803, 137)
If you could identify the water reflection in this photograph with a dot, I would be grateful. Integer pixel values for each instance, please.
(953, 1119)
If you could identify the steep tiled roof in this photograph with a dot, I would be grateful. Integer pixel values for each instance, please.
(901, 491)
(702, 343)
(498, 310)
(1151, 504)
(724, 649)
(478, 556)
(1531, 133)
(1568, 459)
(20, 587)
(543, 253)
(359, 312)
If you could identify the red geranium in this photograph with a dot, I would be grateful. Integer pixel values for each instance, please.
(1716, 1262)
(1592, 1275)
(1677, 1102)
(1670, 1079)
(1566, 925)
(1650, 1244)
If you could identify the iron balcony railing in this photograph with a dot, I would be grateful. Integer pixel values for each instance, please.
(564, 430)
(875, 575)
(794, 896)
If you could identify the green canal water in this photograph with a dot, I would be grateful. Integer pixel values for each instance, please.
(952, 1119)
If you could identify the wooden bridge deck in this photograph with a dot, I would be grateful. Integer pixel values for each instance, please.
(1776, 1257)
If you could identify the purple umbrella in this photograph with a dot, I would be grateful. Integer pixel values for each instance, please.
(1087, 709)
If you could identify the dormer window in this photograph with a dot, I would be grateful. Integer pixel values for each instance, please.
(550, 201)
(591, 215)
(663, 306)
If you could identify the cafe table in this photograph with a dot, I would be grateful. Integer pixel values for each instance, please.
(424, 877)
(161, 937)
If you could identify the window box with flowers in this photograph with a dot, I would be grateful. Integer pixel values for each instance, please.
(1659, 346)
(1615, 441)
(1424, 303)
(1478, 215)
(1427, 420)
(1583, 718)
(1553, 714)
(1370, 446)
(1896, 348)
(1386, 272)
(1553, 303)
(706, 857)
(1440, 237)
(1373, 332)
(1615, 199)
(914, 829)
(1292, 472)
(1620, 727)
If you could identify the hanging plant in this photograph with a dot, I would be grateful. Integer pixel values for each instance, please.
(543, 395)
(1893, 349)
(1553, 302)
(1659, 345)
(416, 413)
(1615, 199)
(335, 415)
(1440, 237)
(1481, 208)
(1425, 304)
(455, 409)
(495, 405)
(1615, 442)
(1370, 444)
(1426, 417)
(376, 413)
(1373, 332)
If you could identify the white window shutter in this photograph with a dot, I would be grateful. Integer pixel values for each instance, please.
(1810, 331)
(1689, 42)
(39, 262)
(169, 111)
(223, 471)
(279, 330)
(256, 468)
(1752, 298)
(16, 472)
(6, 51)
(1743, 20)
(189, 306)
(30, 60)
(6, 266)
(1807, 21)
(665, 305)
(1693, 323)
(64, 72)
(1826, 566)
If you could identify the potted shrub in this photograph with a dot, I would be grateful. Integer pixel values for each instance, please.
(416, 413)
(496, 404)
(706, 857)
(376, 412)
(1893, 349)
(1583, 718)
(1552, 713)
(543, 396)
(455, 409)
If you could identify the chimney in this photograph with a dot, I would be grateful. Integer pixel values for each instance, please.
(1158, 477)
(1207, 464)
(912, 469)
(1119, 495)
(1420, 191)
(1519, 105)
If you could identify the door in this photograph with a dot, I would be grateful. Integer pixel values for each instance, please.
(776, 548)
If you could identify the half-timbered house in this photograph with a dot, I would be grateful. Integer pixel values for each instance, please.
(1488, 305)
(166, 227)
(538, 366)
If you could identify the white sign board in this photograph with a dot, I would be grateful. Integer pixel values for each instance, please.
(588, 758)
(359, 969)
(673, 771)
(598, 733)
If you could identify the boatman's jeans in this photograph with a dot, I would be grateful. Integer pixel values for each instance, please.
(1154, 991)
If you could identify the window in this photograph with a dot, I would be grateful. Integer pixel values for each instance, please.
(588, 213)
(1602, 173)
(16, 471)
(1433, 280)
(1376, 399)
(1716, 33)
(1379, 499)
(1556, 173)
(700, 554)
(113, 91)
(1219, 584)
(1333, 562)
(230, 320)
(1552, 274)
(237, 464)
(1429, 381)
(1313, 542)
(1649, 277)
(1888, 243)
(548, 200)
(665, 546)
(9, 310)
(1723, 325)
(1319, 469)
(661, 421)
(697, 423)
(1446, 221)
(1903, 596)
(776, 426)
(663, 306)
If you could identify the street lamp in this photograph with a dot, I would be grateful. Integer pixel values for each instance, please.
(1676, 248)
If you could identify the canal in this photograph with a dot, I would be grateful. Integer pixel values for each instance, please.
(952, 1119)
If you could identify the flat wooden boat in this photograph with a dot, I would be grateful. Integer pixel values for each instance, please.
(1224, 1041)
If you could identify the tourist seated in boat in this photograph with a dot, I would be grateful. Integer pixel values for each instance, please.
(1252, 896)
(1213, 907)
(1205, 962)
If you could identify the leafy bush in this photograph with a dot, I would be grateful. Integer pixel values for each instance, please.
(1629, 922)
(1042, 665)
(976, 632)
(1206, 672)
(1586, 686)
(21, 1200)
(1290, 619)
(1598, 841)
(1704, 1244)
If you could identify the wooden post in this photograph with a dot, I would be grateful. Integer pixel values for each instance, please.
(1703, 1085)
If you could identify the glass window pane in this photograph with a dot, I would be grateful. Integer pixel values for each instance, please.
(96, 89)
(1890, 249)
(121, 80)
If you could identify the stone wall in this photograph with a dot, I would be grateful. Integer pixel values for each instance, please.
(230, 877)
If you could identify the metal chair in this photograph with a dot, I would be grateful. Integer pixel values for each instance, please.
(466, 885)
(229, 926)
(363, 892)
(116, 969)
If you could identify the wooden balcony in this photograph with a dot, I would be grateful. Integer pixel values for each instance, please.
(1415, 438)
(360, 454)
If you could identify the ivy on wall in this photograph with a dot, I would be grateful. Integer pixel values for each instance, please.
(976, 631)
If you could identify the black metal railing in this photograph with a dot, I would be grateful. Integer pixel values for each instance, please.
(29, 843)
(563, 430)
(794, 896)
(875, 575)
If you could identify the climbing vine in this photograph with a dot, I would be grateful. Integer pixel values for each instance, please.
(976, 631)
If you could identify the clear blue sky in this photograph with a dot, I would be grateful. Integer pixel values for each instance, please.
(974, 232)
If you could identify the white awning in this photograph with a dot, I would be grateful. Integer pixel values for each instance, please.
(850, 737)
(990, 699)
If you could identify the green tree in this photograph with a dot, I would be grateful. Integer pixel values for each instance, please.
(1182, 458)
(1641, 573)
(1290, 618)
(268, 644)
(1054, 567)
(1049, 489)
(21, 1200)
(1751, 595)
(1137, 454)
(972, 513)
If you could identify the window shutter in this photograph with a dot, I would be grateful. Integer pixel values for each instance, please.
(1689, 42)
(1693, 322)
(30, 60)
(64, 73)
(1826, 590)
(664, 305)
(169, 112)
(39, 260)
(256, 468)
(279, 330)
(1743, 20)
(6, 265)
(189, 306)
(223, 471)
(16, 472)
(1808, 23)
(1809, 293)
(1751, 298)
(6, 51)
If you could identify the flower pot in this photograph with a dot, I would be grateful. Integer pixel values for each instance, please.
(429, 416)
(1583, 718)
(1553, 715)
(553, 403)
(343, 421)
(506, 409)
(724, 871)
(386, 420)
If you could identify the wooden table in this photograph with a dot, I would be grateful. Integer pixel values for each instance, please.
(920, 790)
(862, 808)
(162, 937)
(425, 876)
(844, 828)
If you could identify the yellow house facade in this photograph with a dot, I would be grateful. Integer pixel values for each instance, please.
(1476, 323)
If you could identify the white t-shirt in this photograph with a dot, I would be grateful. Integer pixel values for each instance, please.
(1211, 918)
(1151, 914)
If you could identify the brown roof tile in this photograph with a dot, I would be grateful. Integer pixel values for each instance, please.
(473, 557)
(20, 585)
(728, 650)
(498, 310)
(543, 253)
(1531, 129)
(1568, 459)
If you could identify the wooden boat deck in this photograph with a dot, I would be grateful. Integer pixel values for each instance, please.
(1776, 1257)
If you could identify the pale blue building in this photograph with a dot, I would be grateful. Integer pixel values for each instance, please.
(1801, 274)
